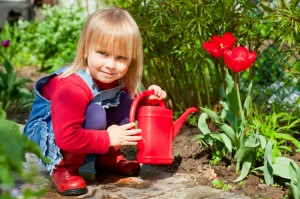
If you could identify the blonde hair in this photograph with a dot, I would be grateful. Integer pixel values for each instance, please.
(112, 28)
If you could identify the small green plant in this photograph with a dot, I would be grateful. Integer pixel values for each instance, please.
(279, 128)
(13, 146)
(12, 89)
(221, 185)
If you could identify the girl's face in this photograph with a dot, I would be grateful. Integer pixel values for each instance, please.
(106, 66)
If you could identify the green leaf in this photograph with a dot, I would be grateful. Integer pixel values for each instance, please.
(242, 153)
(263, 141)
(216, 136)
(268, 169)
(252, 141)
(212, 115)
(227, 114)
(230, 83)
(229, 132)
(5, 174)
(231, 96)
(298, 175)
(202, 124)
(248, 100)
(286, 148)
(293, 171)
(288, 137)
(217, 183)
(281, 167)
(2, 114)
(227, 142)
(295, 191)
(12, 142)
(245, 168)
(13, 146)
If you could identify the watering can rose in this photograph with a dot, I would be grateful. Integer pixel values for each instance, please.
(239, 59)
(217, 44)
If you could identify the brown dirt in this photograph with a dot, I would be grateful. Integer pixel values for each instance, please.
(191, 158)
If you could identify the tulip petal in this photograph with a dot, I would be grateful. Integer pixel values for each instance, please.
(228, 40)
(215, 40)
(252, 56)
(240, 52)
(212, 49)
(228, 58)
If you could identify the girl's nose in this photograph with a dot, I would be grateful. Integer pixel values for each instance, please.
(111, 63)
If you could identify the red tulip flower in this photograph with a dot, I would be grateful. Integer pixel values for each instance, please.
(5, 43)
(217, 44)
(239, 59)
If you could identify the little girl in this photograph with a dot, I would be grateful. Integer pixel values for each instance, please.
(83, 108)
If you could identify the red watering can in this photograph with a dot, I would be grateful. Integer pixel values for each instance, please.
(158, 130)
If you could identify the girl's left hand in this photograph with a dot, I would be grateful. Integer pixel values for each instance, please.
(159, 94)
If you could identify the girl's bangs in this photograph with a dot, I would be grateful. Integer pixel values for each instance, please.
(118, 44)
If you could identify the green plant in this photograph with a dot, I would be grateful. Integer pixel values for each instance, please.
(284, 17)
(233, 120)
(51, 42)
(279, 128)
(234, 139)
(278, 131)
(13, 146)
(12, 89)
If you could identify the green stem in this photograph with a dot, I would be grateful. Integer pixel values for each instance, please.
(206, 89)
(223, 75)
(218, 74)
(251, 98)
(236, 81)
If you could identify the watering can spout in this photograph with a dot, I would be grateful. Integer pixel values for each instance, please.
(179, 122)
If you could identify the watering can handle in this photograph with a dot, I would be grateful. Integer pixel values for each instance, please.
(137, 100)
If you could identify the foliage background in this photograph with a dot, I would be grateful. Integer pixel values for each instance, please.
(174, 31)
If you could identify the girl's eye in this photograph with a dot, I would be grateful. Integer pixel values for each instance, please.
(122, 57)
(103, 53)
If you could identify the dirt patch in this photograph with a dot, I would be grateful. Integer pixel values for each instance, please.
(191, 158)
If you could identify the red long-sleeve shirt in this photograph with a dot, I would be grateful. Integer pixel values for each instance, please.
(69, 99)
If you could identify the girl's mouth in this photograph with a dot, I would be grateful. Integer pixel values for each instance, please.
(107, 73)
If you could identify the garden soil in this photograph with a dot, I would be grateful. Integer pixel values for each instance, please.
(191, 171)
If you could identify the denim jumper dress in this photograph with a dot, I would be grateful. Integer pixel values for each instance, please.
(39, 126)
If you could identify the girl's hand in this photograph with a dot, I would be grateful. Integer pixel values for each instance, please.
(123, 135)
(159, 94)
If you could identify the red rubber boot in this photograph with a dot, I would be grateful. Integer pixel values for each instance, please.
(114, 161)
(66, 178)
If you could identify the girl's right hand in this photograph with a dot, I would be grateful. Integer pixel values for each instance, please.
(123, 135)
